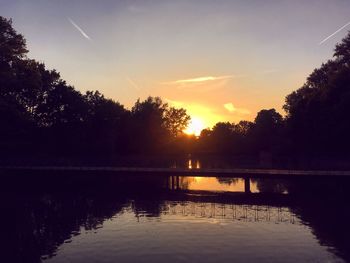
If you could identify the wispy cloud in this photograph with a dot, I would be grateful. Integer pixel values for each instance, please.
(336, 32)
(200, 79)
(79, 29)
(232, 109)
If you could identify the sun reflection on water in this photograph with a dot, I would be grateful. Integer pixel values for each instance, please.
(214, 184)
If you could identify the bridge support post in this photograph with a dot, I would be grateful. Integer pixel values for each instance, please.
(247, 185)
(167, 182)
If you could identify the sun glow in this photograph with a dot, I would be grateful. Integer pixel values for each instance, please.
(195, 127)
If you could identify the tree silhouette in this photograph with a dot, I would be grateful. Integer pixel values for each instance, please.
(64, 121)
(106, 124)
(318, 112)
(13, 45)
(176, 120)
(41, 113)
(155, 124)
(267, 129)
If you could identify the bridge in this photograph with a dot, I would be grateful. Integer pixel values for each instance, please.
(199, 172)
(173, 174)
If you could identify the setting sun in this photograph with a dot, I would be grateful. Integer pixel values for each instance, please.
(195, 127)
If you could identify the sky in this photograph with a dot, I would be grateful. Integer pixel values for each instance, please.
(221, 60)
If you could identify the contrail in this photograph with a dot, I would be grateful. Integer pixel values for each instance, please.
(79, 29)
(132, 83)
(340, 29)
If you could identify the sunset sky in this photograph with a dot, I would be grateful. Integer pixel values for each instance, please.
(221, 60)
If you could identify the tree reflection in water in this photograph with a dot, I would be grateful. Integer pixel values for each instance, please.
(36, 221)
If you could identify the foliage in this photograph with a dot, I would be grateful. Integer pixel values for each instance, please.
(13, 45)
(155, 125)
(63, 120)
(40, 112)
(318, 112)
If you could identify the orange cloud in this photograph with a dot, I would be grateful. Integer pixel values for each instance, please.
(232, 109)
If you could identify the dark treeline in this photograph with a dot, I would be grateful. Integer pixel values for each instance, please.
(41, 114)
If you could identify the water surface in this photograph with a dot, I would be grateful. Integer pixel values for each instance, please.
(175, 219)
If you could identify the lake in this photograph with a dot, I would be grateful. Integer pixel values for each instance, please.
(88, 217)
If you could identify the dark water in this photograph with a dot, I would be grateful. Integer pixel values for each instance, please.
(262, 160)
(108, 218)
